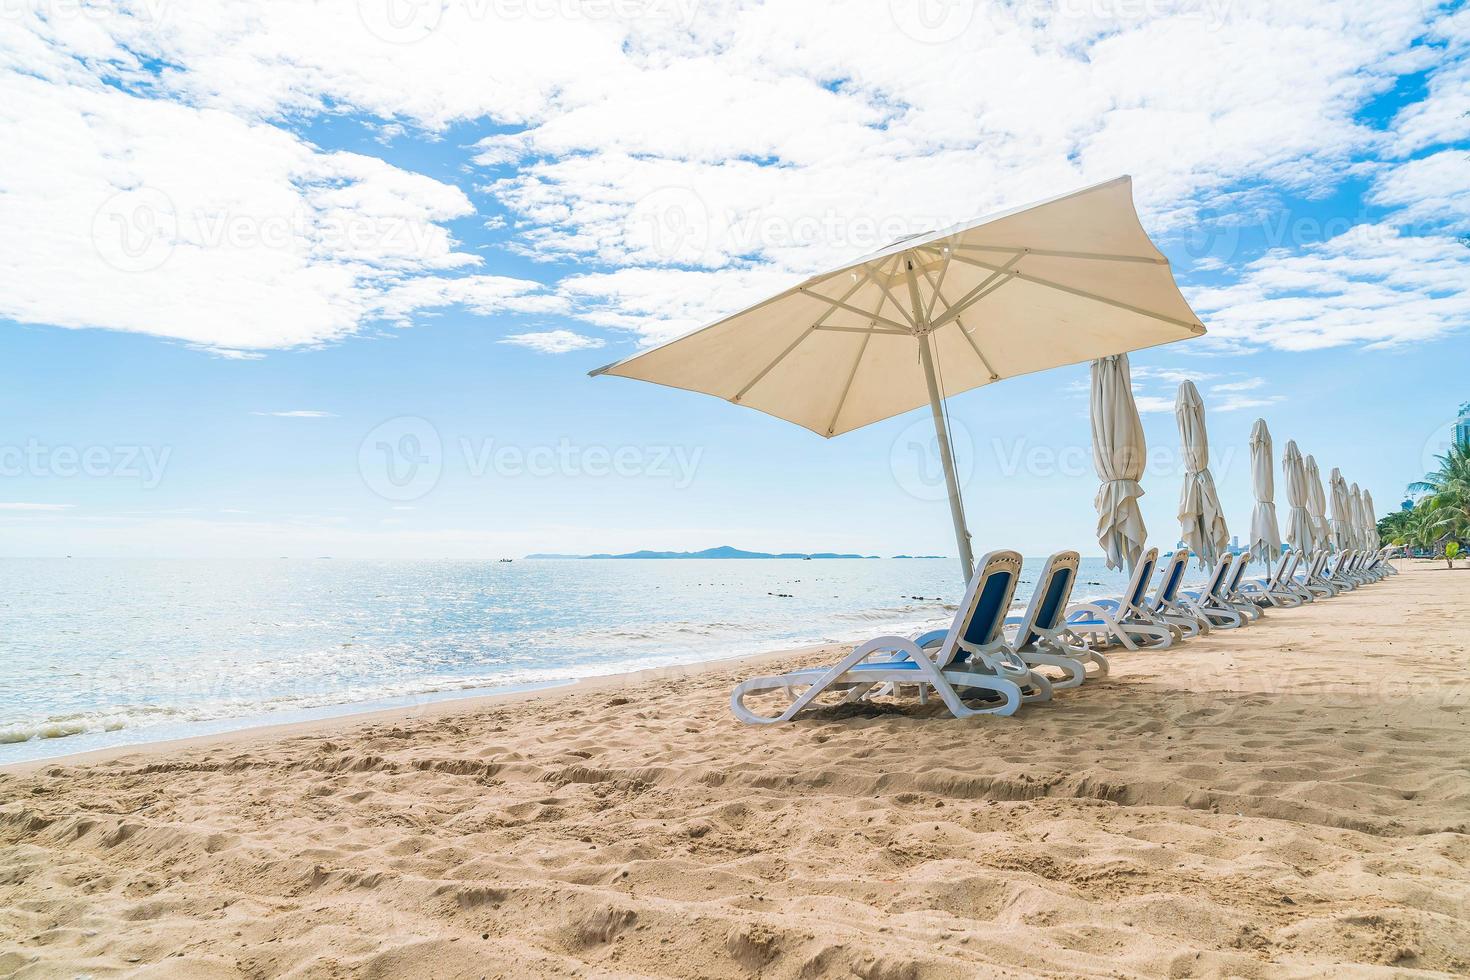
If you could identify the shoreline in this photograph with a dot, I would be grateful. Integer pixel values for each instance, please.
(432, 704)
(432, 709)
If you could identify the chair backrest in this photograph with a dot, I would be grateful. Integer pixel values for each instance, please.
(1048, 606)
(1283, 571)
(1241, 563)
(1142, 575)
(1341, 564)
(1169, 581)
(983, 610)
(1222, 568)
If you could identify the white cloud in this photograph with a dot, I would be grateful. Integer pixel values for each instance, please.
(1431, 191)
(755, 141)
(1169, 375)
(147, 215)
(1371, 285)
(553, 341)
(1440, 117)
(1237, 403)
(34, 507)
(1249, 384)
(299, 414)
(1153, 404)
(661, 304)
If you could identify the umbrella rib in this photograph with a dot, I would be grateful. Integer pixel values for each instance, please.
(851, 375)
(800, 337)
(1058, 253)
(935, 286)
(868, 330)
(998, 277)
(966, 334)
(896, 304)
(1197, 328)
(840, 304)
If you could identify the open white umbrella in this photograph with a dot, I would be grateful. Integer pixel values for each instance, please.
(1265, 534)
(1067, 280)
(1370, 535)
(1342, 515)
(1299, 533)
(1317, 506)
(1118, 453)
(1201, 523)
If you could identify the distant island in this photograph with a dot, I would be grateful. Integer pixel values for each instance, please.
(724, 551)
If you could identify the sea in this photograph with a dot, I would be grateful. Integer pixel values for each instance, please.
(96, 653)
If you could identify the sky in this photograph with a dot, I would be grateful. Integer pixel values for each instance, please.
(303, 279)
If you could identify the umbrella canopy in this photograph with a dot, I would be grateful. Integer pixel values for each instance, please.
(1063, 281)
(1299, 532)
(1342, 517)
(1317, 503)
(1265, 534)
(1201, 522)
(1118, 453)
(1370, 534)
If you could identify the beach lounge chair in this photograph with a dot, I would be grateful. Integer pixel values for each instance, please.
(1041, 637)
(1124, 621)
(970, 656)
(1339, 576)
(1274, 590)
(1230, 590)
(1166, 603)
(1210, 601)
(1384, 556)
(1315, 580)
(1292, 581)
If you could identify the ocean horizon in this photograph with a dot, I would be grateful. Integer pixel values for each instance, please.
(102, 652)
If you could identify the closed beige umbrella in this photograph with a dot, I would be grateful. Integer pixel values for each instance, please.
(1201, 522)
(1299, 531)
(1370, 523)
(1067, 280)
(1342, 516)
(1265, 533)
(1356, 520)
(1321, 528)
(1118, 453)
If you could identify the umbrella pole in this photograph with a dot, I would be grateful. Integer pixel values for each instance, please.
(946, 456)
(936, 407)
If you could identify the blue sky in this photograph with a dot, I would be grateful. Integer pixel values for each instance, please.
(327, 279)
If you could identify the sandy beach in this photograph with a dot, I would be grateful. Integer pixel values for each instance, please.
(1289, 799)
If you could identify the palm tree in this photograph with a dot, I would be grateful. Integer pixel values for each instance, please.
(1447, 491)
(1393, 527)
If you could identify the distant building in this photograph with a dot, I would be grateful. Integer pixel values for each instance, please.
(1462, 425)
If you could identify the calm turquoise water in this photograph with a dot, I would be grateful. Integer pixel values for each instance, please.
(104, 652)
